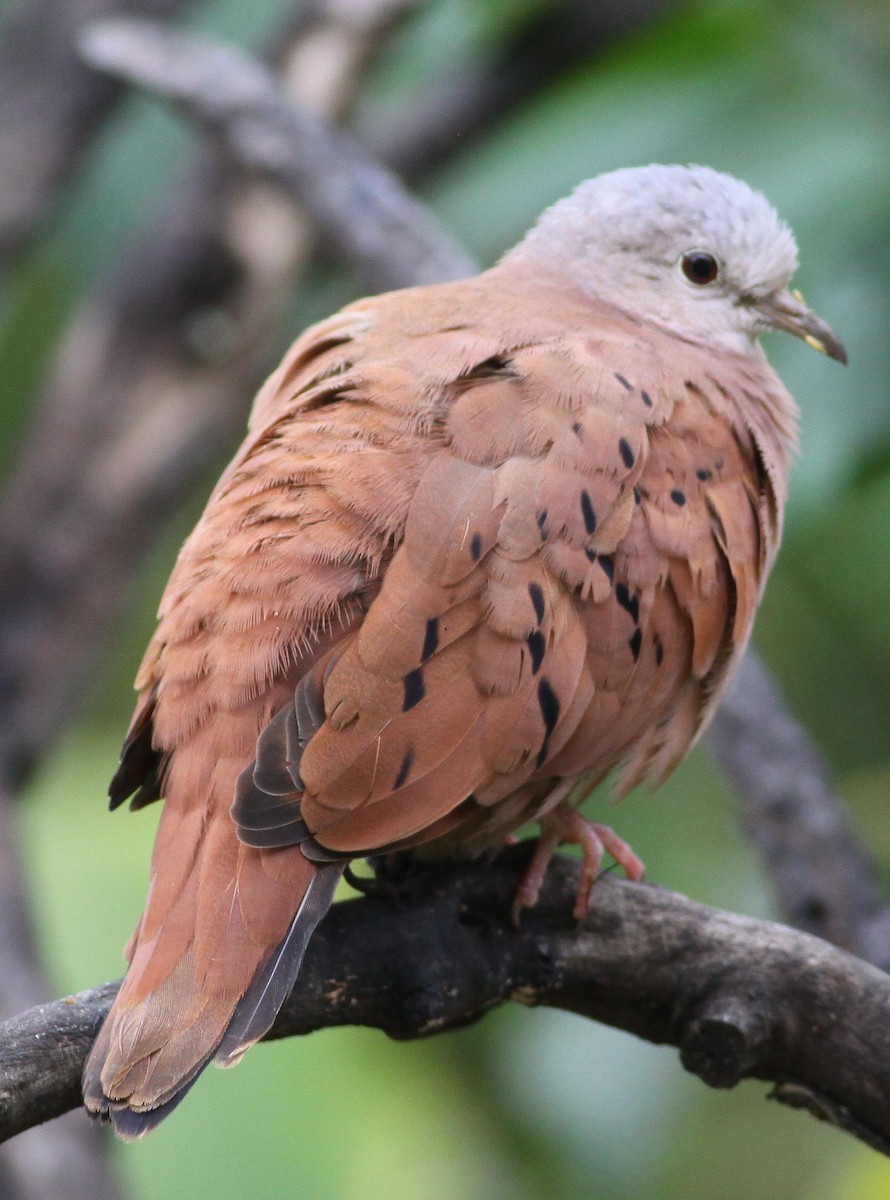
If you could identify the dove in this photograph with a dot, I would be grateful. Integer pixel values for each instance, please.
(484, 544)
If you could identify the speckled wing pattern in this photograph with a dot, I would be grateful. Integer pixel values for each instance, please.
(481, 538)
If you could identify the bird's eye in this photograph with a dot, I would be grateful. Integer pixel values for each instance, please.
(699, 266)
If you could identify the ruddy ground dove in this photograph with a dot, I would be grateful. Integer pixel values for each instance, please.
(483, 543)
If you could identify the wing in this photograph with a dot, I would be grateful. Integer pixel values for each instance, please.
(579, 568)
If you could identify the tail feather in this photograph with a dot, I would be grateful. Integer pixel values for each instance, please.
(128, 1121)
(155, 1042)
(259, 1006)
(131, 1126)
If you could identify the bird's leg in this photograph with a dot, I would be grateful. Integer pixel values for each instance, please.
(564, 824)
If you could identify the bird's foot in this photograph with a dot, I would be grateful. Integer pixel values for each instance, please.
(564, 824)
(387, 882)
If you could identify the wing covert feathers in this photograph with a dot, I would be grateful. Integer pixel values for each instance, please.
(480, 539)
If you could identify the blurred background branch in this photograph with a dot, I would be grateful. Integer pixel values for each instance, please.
(825, 881)
(464, 104)
(51, 105)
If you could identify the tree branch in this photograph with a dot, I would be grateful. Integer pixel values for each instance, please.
(449, 112)
(825, 881)
(50, 105)
(373, 223)
(739, 998)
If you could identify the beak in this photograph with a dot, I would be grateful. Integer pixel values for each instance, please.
(786, 310)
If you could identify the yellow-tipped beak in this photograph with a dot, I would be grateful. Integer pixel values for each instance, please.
(786, 310)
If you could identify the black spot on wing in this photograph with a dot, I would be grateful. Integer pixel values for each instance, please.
(407, 763)
(635, 641)
(430, 639)
(678, 497)
(414, 689)
(627, 455)
(541, 519)
(536, 595)
(548, 702)
(536, 647)
(659, 651)
(476, 547)
(703, 474)
(489, 368)
(646, 398)
(624, 382)
(630, 604)
(587, 512)
(549, 705)
(608, 565)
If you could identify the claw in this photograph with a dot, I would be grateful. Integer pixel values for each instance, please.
(564, 824)
(532, 881)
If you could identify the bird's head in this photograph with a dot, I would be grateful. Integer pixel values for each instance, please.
(692, 249)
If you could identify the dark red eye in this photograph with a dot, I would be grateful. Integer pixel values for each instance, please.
(699, 266)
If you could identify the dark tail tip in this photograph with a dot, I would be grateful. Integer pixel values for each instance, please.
(129, 1124)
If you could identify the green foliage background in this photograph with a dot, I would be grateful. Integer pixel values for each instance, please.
(794, 97)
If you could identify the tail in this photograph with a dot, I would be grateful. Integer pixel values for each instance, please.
(216, 954)
(258, 1007)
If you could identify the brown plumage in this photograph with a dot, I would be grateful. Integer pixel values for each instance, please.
(483, 542)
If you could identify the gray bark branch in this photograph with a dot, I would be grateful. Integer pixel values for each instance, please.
(50, 105)
(377, 227)
(825, 881)
(739, 998)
